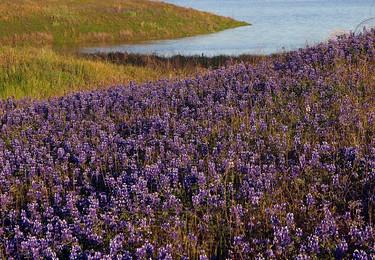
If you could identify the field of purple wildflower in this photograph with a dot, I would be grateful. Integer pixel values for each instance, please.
(268, 161)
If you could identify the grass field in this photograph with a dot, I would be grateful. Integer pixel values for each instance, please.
(42, 73)
(84, 22)
(35, 35)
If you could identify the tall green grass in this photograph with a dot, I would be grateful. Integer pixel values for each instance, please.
(85, 22)
(41, 73)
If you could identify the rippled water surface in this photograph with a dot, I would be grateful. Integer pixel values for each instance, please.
(276, 25)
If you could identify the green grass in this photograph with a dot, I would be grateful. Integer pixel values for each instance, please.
(34, 35)
(41, 73)
(61, 23)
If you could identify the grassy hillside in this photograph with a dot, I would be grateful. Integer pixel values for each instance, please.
(271, 161)
(26, 71)
(85, 22)
(42, 73)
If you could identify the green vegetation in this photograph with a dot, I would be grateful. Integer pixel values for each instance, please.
(61, 23)
(43, 73)
(58, 25)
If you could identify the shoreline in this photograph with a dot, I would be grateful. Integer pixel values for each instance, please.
(69, 24)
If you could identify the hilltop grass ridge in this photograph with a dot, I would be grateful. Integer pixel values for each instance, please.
(62, 23)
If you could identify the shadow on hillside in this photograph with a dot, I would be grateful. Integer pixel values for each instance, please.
(177, 62)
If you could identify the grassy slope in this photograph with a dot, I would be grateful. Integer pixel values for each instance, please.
(26, 71)
(85, 22)
(42, 73)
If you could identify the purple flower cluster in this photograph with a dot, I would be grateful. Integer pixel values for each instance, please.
(267, 161)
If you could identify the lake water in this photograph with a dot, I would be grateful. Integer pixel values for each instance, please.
(276, 25)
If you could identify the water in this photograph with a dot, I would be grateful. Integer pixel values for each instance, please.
(276, 25)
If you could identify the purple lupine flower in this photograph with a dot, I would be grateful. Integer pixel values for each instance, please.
(212, 165)
(341, 249)
(313, 244)
(310, 201)
(60, 153)
(290, 219)
(203, 257)
(282, 237)
(360, 255)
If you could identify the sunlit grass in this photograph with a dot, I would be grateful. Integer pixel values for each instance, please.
(84, 22)
(42, 73)
(26, 70)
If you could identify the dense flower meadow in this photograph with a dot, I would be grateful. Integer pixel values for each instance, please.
(270, 161)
